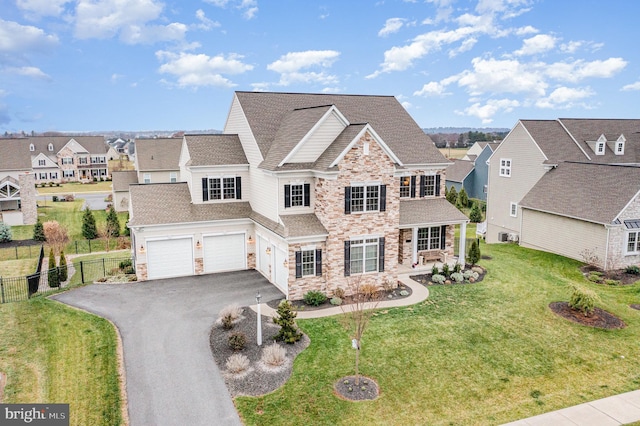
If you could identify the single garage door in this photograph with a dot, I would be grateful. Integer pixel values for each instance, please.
(169, 258)
(224, 253)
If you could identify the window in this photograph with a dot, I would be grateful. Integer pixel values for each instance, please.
(428, 186)
(431, 238)
(513, 210)
(43, 176)
(53, 175)
(407, 186)
(98, 160)
(619, 148)
(297, 195)
(599, 148)
(365, 198)
(32, 148)
(67, 160)
(146, 178)
(173, 177)
(42, 162)
(505, 167)
(225, 188)
(50, 147)
(308, 262)
(633, 242)
(68, 173)
(82, 160)
(364, 255)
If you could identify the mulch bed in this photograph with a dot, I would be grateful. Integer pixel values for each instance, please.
(258, 379)
(346, 388)
(20, 243)
(618, 274)
(635, 306)
(598, 319)
(426, 278)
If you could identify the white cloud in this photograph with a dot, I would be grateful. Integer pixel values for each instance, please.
(632, 86)
(502, 76)
(492, 107)
(20, 39)
(580, 69)
(464, 47)
(27, 71)
(537, 44)
(196, 70)
(522, 31)
(149, 34)
(392, 25)
(205, 23)
(43, 7)
(432, 89)
(564, 97)
(292, 65)
(249, 8)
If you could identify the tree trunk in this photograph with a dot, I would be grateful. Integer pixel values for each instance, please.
(357, 364)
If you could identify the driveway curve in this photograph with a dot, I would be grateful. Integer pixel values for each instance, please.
(172, 378)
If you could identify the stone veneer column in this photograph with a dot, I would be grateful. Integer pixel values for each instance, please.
(28, 202)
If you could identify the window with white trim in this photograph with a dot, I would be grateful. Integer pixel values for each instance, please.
(221, 188)
(430, 238)
(50, 147)
(308, 262)
(53, 175)
(82, 160)
(365, 198)
(505, 167)
(67, 160)
(619, 148)
(429, 185)
(173, 177)
(68, 173)
(297, 199)
(513, 209)
(146, 178)
(42, 162)
(633, 242)
(407, 184)
(364, 255)
(599, 148)
(32, 148)
(98, 160)
(297, 195)
(43, 176)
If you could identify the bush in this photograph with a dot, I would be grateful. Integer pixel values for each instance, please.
(54, 198)
(339, 292)
(237, 340)
(335, 301)
(438, 279)
(633, 270)
(452, 195)
(285, 318)
(237, 363)
(369, 291)
(463, 200)
(583, 300)
(457, 277)
(475, 216)
(89, 228)
(63, 267)
(5, 233)
(612, 282)
(314, 298)
(457, 267)
(52, 274)
(38, 231)
(434, 270)
(474, 252)
(274, 355)
(470, 274)
(233, 311)
(594, 277)
(445, 270)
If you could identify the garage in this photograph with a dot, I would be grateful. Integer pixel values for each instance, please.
(224, 253)
(169, 258)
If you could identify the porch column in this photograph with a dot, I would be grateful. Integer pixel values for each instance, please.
(414, 245)
(463, 240)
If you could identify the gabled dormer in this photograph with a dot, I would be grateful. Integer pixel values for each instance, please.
(617, 146)
(42, 161)
(599, 146)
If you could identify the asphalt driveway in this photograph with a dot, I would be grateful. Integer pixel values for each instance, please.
(172, 378)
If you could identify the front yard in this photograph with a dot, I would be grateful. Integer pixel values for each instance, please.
(484, 353)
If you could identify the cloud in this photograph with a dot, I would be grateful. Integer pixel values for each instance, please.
(492, 107)
(198, 70)
(20, 39)
(27, 71)
(537, 44)
(632, 86)
(392, 25)
(205, 23)
(43, 7)
(292, 66)
(432, 89)
(502, 76)
(564, 97)
(580, 69)
(249, 8)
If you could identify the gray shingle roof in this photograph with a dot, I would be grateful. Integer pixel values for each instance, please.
(93, 144)
(553, 140)
(590, 130)
(266, 112)
(339, 144)
(14, 155)
(301, 225)
(459, 170)
(429, 210)
(592, 192)
(215, 150)
(167, 203)
(158, 154)
(122, 180)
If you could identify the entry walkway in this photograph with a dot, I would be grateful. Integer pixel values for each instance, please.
(612, 411)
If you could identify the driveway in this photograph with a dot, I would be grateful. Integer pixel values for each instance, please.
(172, 378)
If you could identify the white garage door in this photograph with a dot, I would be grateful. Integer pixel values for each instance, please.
(224, 253)
(169, 258)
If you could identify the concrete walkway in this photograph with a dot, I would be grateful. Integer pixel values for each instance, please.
(612, 411)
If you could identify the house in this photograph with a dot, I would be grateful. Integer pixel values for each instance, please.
(568, 186)
(311, 190)
(476, 149)
(460, 175)
(472, 171)
(69, 158)
(18, 204)
(120, 188)
(157, 160)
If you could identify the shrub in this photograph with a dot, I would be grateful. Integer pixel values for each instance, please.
(336, 301)
(285, 318)
(113, 224)
(89, 228)
(69, 197)
(227, 322)
(470, 274)
(339, 292)
(445, 270)
(233, 311)
(583, 300)
(237, 340)
(594, 277)
(38, 231)
(457, 277)
(633, 270)
(438, 279)
(237, 363)
(404, 293)
(369, 291)
(435, 270)
(612, 282)
(54, 198)
(452, 195)
(5, 233)
(274, 355)
(475, 216)
(474, 252)
(52, 274)
(63, 267)
(463, 200)
(457, 267)
(314, 298)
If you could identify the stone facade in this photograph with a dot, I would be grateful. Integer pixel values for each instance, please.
(28, 204)
(251, 261)
(67, 152)
(616, 257)
(199, 266)
(141, 271)
(299, 286)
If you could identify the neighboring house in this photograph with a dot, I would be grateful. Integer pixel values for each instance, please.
(568, 186)
(120, 188)
(69, 158)
(17, 185)
(472, 171)
(157, 160)
(477, 148)
(460, 175)
(312, 190)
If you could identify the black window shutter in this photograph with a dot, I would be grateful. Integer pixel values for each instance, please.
(347, 258)
(298, 264)
(318, 262)
(437, 185)
(287, 196)
(383, 198)
(423, 182)
(443, 236)
(238, 188)
(413, 187)
(205, 189)
(307, 194)
(347, 200)
(381, 254)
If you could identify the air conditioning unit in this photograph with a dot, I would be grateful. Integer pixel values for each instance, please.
(513, 237)
(503, 236)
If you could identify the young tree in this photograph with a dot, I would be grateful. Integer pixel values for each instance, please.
(358, 313)
(463, 199)
(89, 229)
(56, 235)
(474, 253)
(452, 195)
(113, 224)
(54, 279)
(5, 233)
(126, 231)
(476, 214)
(63, 267)
(38, 231)
(286, 319)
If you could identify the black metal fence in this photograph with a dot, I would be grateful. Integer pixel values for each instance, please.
(74, 247)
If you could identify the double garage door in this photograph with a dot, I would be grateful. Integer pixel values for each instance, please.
(174, 257)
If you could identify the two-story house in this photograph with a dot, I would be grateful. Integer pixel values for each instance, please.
(569, 186)
(312, 190)
(17, 185)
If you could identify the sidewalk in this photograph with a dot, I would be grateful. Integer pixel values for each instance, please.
(612, 411)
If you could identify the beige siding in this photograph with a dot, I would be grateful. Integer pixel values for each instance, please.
(158, 176)
(265, 195)
(121, 201)
(562, 235)
(237, 124)
(526, 170)
(318, 142)
(185, 175)
(196, 183)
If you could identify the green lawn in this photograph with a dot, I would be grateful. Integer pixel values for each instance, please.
(75, 187)
(486, 353)
(55, 354)
(76, 279)
(16, 268)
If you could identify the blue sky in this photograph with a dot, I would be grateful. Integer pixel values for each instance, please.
(87, 65)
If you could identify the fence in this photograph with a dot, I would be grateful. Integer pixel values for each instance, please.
(74, 247)
(15, 289)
